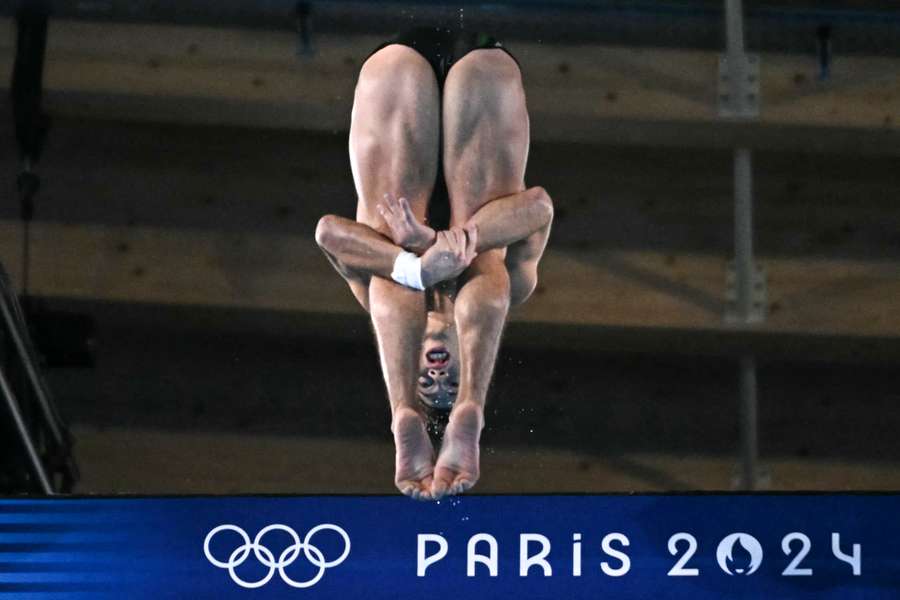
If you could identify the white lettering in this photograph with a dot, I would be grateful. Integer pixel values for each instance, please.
(490, 560)
(423, 562)
(613, 553)
(576, 554)
(526, 561)
(854, 560)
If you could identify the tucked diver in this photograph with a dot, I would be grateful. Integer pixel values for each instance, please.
(438, 286)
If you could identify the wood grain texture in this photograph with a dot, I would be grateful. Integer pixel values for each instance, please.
(223, 463)
(636, 289)
(582, 93)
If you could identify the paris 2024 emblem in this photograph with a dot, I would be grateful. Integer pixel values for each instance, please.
(739, 554)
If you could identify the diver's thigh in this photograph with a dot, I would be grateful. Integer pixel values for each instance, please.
(394, 132)
(485, 131)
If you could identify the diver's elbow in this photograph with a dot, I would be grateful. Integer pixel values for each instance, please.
(544, 204)
(328, 232)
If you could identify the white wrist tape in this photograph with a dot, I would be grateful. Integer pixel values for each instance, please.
(408, 270)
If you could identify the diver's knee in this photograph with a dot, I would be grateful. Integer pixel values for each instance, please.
(392, 74)
(522, 285)
(544, 203)
(491, 301)
(388, 302)
(487, 309)
(485, 68)
(493, 77)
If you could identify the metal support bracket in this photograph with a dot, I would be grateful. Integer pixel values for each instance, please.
(740, 101)
(759, 296)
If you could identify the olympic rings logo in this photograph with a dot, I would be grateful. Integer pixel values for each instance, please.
(287, 557)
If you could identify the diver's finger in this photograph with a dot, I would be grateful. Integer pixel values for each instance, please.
(461, 241)
(459, 237)
(464, 245)
(449, 240)
(395, 205)
(390, 201)
(473, 242)
(385, 213)
(407, 210)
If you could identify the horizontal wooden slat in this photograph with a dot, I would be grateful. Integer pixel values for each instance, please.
(174, 462)
(223, 218)
(575, 93)
(584, 288)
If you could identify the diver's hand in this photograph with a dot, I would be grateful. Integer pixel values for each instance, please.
(452, 253)
(406, 231)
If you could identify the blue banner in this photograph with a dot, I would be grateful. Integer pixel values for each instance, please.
(566, 546)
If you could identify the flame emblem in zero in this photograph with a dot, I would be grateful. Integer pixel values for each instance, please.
(739, 554)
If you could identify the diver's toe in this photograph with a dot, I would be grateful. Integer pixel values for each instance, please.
(439, 488)
(425, 488)
(461, 485)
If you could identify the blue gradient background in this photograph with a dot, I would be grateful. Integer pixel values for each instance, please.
(153, 547)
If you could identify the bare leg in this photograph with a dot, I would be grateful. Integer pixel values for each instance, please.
(485, 152)
(393, 149)
(480, 312)
(486, 131)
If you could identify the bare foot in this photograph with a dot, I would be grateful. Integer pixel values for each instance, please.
(457, 466)
(415, 454)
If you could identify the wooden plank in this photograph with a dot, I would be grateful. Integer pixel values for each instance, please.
(634, 289)
(223, 218)
(581, 93)
(232, 179)
(116, 460)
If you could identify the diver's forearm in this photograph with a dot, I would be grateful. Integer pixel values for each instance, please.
(509, 219)
(357, 246)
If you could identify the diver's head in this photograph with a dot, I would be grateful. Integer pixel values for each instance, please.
(438, 381)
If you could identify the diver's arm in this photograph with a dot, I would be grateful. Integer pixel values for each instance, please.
(521, 222)
(521, 217)
(501, 222)
(356, 249)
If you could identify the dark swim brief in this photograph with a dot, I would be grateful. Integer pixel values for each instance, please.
(442, 47)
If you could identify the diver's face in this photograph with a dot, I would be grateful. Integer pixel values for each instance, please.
(439, 365)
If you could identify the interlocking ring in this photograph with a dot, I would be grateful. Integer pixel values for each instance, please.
(265, 556)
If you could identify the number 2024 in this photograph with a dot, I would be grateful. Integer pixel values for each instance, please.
(854, 559)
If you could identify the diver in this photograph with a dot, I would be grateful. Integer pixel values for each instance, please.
(446, 238)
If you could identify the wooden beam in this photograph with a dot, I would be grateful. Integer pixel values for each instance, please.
(633, 289)
(582, 93)
(223, 219)
(224, 462)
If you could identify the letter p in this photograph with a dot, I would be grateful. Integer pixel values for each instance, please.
(422, 561)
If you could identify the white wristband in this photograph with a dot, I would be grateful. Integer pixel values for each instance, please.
(408, 270)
